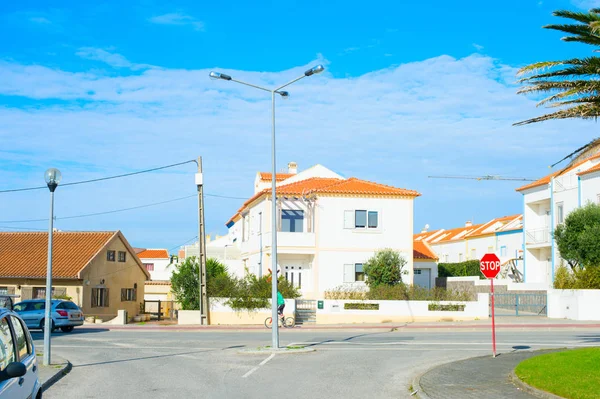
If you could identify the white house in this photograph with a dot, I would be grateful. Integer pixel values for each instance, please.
(156, 262)
(502, 236)
(221, 249)
(546, 203)
(424, 265)
(327, 227)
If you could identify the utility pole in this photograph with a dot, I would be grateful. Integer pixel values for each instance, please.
(260, 262)
(201, 247)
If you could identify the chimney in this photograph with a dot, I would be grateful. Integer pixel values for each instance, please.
(292, 168)
(468, 224)
(425, 229)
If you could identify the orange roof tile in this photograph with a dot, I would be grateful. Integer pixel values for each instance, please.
(458, 233)
(546, 179)
(590, 170)
(154, 254)
(422, 250)
(321, 185)
(424, 236)
(26, 254)
(267, 176)
(157, 282)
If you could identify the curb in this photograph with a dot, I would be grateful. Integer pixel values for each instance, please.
(531, 390)
(66, 369)
(418, 391)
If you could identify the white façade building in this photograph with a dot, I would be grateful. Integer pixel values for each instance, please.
(502, 236)
(327, 227)
(546, 203)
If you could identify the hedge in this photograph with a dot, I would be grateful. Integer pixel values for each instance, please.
(461, 269)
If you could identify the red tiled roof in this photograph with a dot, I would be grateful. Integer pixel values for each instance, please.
(422, 250)
(26, 254)
(546, 179)
(154, 254)
(267, 176)
(456, 234)
(321, 185)
(158, 282)
(590, 170)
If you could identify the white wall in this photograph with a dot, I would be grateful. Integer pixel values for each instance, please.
(574, 304)
(161, 271)
(449, 251)
(590, 188)
(431, 265)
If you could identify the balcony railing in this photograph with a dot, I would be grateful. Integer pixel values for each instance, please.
(538, 236)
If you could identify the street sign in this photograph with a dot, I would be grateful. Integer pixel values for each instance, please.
(490, 265)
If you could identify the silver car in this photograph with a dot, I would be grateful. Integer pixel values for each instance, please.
(18, 363)
(65, 314)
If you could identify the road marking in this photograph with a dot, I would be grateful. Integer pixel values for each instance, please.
(261, 364)
(420, 343)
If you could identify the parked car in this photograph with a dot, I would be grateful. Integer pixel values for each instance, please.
(65, 314)
(18, 363)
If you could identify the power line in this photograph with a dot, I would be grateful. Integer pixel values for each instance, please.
(180, 245)
(21, 228)
(101, 178)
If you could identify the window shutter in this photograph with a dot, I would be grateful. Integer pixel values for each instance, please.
(106, 297)
(348, 219)
(11, 290)
(59, 292)
(349, 276)
(26, 293)
(123, 294)
(94, 297)
(135, 294)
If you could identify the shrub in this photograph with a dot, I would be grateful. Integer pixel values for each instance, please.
(453, 307)
(582, 279)
(397, 292)
(341, 293)
(384, 268)
(62, 296)
(361, 306)
(461, 269)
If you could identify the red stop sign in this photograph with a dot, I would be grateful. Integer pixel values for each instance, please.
(490, 265)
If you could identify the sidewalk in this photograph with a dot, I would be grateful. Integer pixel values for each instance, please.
(48, 375)
(524, 323)
(480, 377)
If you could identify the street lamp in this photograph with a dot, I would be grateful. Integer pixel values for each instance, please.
(52, 177)
(284, 94)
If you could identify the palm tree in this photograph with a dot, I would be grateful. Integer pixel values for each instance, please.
(573, 85)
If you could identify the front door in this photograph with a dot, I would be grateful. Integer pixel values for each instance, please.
(295, 275)
(422, 278)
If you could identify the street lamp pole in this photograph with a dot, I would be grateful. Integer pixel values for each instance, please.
(52, 177)
(284, 94)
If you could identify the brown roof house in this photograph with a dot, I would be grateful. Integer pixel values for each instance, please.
(99, 271)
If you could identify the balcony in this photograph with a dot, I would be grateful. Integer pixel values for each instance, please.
(292, 243)
(537, 238)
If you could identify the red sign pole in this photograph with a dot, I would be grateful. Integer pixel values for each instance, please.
(493, 320)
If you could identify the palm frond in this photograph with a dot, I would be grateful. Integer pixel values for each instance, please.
(582, 100)
(570, 28)
(585, 111)
(584, 17)
(582, 39)
(585, 67)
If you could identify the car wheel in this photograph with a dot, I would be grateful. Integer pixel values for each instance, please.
(67, 329)
(43, 325)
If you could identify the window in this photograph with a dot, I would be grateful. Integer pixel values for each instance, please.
(473, 253)
(490, 249)
(292, 221)
(3, 290)
(122, 256)
(99, 297)
(7, 348)
(598, 198)
(149, 266)
(128, 294)
(446, 258)
(110, 256)
(40, 292)
(460, 257)
(67, 305)
(359, 272)
(360, 219)
(503, 250)
(417, 271)
(23, 346)
(373, 219)
(559, 213)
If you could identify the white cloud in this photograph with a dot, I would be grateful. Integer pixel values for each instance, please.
(112, 59)
(178, 18)
(40, 20)
(586, 4)
(479, 47)
(395, 126)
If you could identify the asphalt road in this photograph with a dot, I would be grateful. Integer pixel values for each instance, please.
(346, 364)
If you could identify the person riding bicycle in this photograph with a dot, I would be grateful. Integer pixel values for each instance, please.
(280, 304)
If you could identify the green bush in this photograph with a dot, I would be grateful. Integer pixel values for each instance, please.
(384, 268)
(453, 307)
(361, 306)
(397, 292)
(341, 293)
(461, 269)
(577, 279)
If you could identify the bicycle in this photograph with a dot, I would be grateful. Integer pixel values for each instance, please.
(287, 322)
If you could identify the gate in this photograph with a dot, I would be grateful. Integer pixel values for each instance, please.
(161, 310)
(306, 311)
(520, 304)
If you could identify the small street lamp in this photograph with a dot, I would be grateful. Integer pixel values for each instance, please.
(284, 94)
(52, 177)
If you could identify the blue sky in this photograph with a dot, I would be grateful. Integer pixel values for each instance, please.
(411, 89)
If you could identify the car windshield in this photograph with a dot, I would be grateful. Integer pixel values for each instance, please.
(67, 305)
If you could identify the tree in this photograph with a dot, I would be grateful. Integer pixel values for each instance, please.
(185, 281)
(578, 239)
(384, 268)
(572, 84)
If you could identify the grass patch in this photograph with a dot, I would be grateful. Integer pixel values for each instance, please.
(570, 374)
(295, 347)
(361, 306)
(453, 307)
(141, 323)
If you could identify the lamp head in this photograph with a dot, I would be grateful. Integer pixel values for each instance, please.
(314, 70)
(284, 94)
(217, 75)
(52, 177)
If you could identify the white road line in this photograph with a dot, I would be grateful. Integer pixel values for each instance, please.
(420, 343)
(261, 364)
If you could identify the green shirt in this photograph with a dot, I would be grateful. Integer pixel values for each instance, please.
(280, 300)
